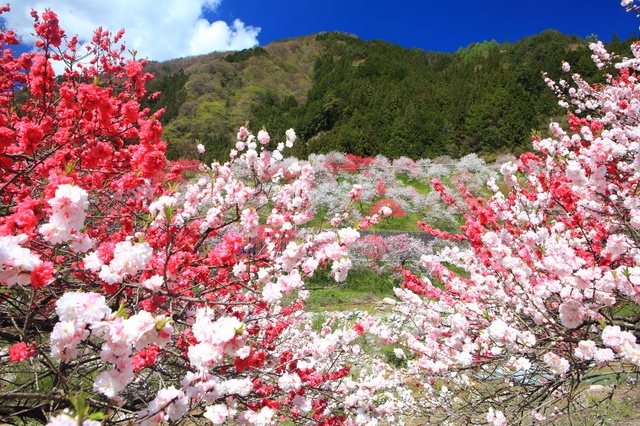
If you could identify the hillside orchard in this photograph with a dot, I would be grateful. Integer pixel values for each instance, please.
(131, 295)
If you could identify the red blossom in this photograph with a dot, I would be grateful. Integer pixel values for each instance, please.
(441, 234)
(358, 328)
(145, 358)
(49, 29)
(20, 351)
(418, 286)
(380, 188)
(42, 274)
(253, 360)
(396, 208)
(152, 304)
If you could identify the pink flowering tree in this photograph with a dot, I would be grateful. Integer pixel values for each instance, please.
(542, 300)
(125, 300)
(389, 253)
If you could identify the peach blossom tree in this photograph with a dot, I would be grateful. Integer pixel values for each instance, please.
(542, 298)
(127, 296)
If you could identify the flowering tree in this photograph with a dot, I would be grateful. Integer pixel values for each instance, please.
(388, 208)
(127, 301)
(389, 253)
(547, 296)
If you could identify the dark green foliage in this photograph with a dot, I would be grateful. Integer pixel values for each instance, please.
(341, 93)
(172, 94)
(274, 114)
(245, 54)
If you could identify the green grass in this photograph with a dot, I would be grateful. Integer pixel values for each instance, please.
(363, 287)
(406, 223)
(626, 309)
(421, 186)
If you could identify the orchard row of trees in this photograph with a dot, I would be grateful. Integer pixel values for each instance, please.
(129, 297)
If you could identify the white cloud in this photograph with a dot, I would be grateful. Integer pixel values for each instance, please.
(156, 29)
(219, 36)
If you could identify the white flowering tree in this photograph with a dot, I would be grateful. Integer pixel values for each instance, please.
(544, 302)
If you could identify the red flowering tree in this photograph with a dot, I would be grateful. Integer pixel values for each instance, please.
(127, 301)
(388, 208)
(545, 297)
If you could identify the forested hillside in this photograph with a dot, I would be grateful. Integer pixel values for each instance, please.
(345, 94)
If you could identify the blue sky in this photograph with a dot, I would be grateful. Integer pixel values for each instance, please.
(165, 29)
(432, 25)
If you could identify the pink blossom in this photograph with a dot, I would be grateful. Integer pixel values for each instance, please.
(243, 133)
(310, 265)
(203, 355)
(111, 382)
(302, 404)
(169, 404)
(385, 211)
(538, 417)
(586, 350)
(348, 236)
(290, 281)
(571, 313)
(291, 138)
(356, 192)
(615, 338)
(335, 221)
(556, 363)
(68, 212)
(272, 292)
(66, 419)
(258, 418)
(289, 381)
(250, 222)
(603, 356)
(140, 329)
(159, 208)
(501, 332)
(87, 308)
(92, 262)
(240, 387)
(496, 418)
(263, 137)
(16, 262)
(340, 268)
(521, 364)
(128, 259)
(399, 353)
(217, 414)
(65, 337)
(154, 283)
(63, 420)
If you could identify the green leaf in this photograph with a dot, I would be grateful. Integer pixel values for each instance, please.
(98, 415)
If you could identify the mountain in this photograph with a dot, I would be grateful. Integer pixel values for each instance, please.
(342, 93)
